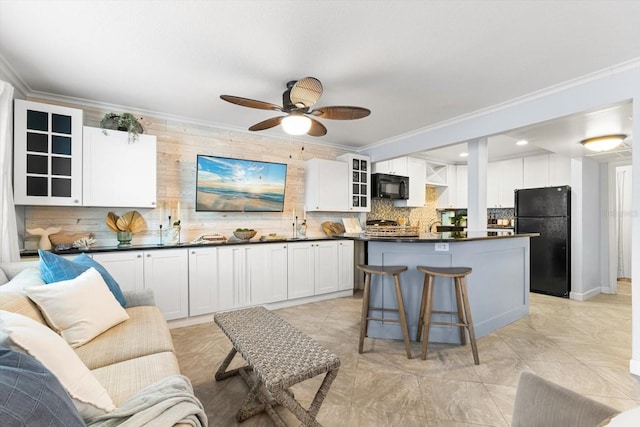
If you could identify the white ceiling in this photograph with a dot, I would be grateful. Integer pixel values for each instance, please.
(413, 63)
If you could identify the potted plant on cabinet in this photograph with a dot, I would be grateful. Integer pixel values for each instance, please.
(124, 122)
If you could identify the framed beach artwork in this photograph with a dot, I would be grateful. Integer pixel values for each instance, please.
(226, 184)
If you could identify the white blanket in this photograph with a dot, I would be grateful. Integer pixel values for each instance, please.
(162, 404)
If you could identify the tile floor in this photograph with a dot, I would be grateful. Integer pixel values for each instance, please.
(585, 346)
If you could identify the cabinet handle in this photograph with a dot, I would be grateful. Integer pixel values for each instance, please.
(139, 256)
(148, 255)
(193, 252)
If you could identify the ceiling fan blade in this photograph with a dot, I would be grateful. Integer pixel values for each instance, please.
(306, 92)
(267, 124)
(251, 103)
(341, 113)
(317, 128)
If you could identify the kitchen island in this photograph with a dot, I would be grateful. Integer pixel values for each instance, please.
(498, 287)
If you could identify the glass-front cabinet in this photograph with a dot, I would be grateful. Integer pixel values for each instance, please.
(47, 154)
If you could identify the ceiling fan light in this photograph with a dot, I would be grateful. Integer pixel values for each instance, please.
(295, 124)
(603, 143)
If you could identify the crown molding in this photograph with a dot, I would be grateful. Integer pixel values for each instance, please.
(8, 73)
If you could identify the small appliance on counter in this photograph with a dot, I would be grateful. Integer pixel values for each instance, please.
(392, 187)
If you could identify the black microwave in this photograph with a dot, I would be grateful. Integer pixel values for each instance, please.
(385, 186)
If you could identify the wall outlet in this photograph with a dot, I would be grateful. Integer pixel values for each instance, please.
(442, 247)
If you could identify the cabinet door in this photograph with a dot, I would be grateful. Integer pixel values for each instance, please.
(47, 154)
(127, 268)
(535, 171)
(417, 173)
(117, 173)
(446, 196)
(559, 170)
(382, 167)
(326, 185)
(510, 180)
(167, 273)
(345, 265)
(203, 281)
(300, 270)
(359, 185)
(232, 289)
(326, 267)
(266, 273)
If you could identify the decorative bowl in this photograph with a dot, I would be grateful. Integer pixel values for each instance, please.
(244, 235)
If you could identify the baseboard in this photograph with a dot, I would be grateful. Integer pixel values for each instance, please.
(583, 296)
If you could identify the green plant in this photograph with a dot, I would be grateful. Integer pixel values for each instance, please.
(125, 122)
(458, 220)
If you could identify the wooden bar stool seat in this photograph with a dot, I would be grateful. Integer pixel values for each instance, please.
(465, 321)
(393, 270)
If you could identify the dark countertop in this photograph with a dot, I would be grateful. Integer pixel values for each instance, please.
(114, 248)
(464, 236)
(453, 236)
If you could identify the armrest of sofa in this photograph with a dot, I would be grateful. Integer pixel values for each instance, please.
(542, 403)
(137, 298)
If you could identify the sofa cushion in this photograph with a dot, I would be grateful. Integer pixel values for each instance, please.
(3, 277)
(145, 333)
(20, 333)
(79, 309)
(124, 379)
(55, 268)
(24, 279)
(30, 394)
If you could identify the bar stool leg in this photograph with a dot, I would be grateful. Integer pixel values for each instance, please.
(467, 312)
(365, 310)
(460, 304)
(403, 316)
(427, 316)
(423, 305)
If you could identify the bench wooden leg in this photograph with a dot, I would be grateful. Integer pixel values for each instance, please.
(307, 417)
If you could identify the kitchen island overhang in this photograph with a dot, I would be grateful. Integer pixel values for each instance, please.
(498, 287)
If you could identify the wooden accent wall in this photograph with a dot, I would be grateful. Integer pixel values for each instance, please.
(178, 144)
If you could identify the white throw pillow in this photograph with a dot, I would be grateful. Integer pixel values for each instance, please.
(20, 333)
(25, 279)
(79, 309)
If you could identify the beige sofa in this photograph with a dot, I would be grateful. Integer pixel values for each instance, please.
(124, 359)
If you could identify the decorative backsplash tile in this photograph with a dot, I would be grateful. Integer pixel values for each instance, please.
(422, 217)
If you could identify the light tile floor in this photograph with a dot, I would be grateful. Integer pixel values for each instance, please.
(585, 346)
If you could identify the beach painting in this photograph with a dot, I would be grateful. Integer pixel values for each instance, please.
(236, 185)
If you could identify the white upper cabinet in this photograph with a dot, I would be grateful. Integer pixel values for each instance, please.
(47, 154)
(118, 173)
(503, 178)
(398, 166)
(326, 185)
(546, 170)
(462, 187)
(417, 173)
(359, 181)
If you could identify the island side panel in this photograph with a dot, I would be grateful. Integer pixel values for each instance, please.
(498, 286)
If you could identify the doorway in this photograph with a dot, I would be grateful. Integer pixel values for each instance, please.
(623, 215)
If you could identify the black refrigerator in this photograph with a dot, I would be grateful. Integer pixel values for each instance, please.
(547, 211)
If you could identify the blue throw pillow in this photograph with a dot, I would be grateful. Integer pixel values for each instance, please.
(30, 395)
(54, 268)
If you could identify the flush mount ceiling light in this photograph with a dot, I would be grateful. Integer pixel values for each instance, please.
(522, 142)
(464, 154)
(295, 124)
(603, 143)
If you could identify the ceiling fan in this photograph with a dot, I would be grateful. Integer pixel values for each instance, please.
(297, 101)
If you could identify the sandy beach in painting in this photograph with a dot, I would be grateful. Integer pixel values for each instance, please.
(216, 202)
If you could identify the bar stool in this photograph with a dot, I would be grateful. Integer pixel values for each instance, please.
(395, 271)
(462, 300)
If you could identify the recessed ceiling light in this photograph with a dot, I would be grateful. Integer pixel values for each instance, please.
(522, 142)
(464, 154)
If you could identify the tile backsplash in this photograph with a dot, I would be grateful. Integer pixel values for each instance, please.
(422, 217)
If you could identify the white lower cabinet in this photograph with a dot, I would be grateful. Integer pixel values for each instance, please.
(203, 280)
(165, 271)
(313, 268)
(345, 265)
(127, 268)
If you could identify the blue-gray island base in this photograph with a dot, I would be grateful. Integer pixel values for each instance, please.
(498, 287)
